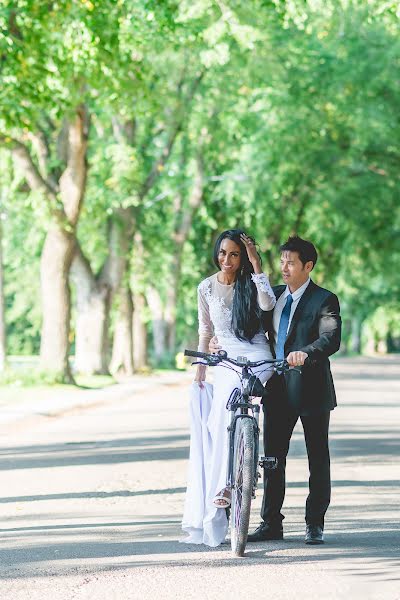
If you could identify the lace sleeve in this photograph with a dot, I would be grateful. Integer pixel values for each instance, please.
(206, 330)
(266, 296)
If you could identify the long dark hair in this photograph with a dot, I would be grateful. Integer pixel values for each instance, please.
(245, 309)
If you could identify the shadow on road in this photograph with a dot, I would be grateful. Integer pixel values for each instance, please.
(175, 447)
(74, 495)
(374, 443)
(371, 553)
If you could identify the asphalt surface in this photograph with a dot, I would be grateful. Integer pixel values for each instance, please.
(92, 493)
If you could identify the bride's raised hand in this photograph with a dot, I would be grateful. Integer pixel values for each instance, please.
(252, 253)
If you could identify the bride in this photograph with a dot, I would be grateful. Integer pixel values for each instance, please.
(229, 307)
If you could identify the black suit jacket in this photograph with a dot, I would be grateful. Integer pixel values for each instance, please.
(315, 329)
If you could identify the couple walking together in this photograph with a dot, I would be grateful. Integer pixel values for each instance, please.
(240, 312)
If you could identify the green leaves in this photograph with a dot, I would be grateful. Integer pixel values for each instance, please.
(293, 108)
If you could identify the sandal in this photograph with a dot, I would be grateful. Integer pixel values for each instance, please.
(223, 498)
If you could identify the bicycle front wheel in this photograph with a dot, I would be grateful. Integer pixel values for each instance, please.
(242, 489)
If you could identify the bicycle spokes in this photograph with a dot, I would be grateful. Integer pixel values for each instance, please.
(239, 485)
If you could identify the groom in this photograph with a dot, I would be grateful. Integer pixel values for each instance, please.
(305, 328)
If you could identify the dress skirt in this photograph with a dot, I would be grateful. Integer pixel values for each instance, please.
(203, 522)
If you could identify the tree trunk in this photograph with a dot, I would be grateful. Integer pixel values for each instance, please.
(356, 328)
(92, 308)
(139, 329)
(94, 297)
(122, 354)
(346, 336)
(91, 345)
(172, 300)
(390, 342)
(59, 247)
(159, 324)
(3, 345)
(381, 346)
(139, 333)
(55, 264)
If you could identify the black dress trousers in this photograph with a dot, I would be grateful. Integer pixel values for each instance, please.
(279, 422)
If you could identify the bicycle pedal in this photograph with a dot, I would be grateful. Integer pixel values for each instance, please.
(268, 462)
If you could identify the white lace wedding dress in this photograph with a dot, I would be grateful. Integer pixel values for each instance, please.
(203, 522)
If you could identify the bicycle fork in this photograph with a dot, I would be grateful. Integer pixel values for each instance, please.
(265, 462)
(231, 446)
(233, 419)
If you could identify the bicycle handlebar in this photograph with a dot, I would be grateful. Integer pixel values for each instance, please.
(195, 354)
(214, 359)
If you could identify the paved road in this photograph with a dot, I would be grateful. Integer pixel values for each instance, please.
(91, 500)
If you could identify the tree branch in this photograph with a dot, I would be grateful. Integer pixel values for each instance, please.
(195, 199)
(42, 148)
(73, 179)
(160, 162)
(81, 271)
(32, 173)
(120, 231)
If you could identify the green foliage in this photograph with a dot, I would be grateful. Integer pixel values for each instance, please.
(21, 253)
(29, 377)
(295, 117)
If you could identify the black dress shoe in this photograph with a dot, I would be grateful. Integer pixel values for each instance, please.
(314, 534)
(265, 532)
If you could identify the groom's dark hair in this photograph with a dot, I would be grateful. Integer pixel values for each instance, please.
(305, 249)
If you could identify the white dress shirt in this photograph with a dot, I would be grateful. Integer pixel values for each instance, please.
(281, 303)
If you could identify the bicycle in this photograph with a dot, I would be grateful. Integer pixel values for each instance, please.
(243, 429)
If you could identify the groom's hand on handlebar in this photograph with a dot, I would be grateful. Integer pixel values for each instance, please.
(296, 359)
(213, 345)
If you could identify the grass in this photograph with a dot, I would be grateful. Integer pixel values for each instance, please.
(22, 380)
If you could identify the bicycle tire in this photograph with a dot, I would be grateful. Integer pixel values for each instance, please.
(242, 489)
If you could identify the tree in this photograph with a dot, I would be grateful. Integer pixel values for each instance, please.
(3, 341)
(46, 126)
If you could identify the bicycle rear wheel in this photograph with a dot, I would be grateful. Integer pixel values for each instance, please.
(243, 478)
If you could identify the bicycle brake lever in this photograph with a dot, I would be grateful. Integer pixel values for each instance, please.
(208, 362)
(281, 367)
